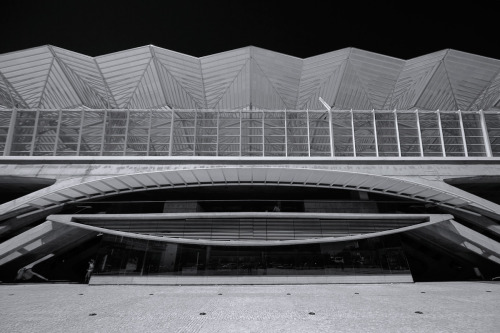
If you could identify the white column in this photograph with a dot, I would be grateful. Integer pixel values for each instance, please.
(308, 135)
(462, 132)
(375, 132)
(486, 138)
(10, 133)
(397, 132)
(419, 134)
(441, 132)
(330, 125)
(353, 137)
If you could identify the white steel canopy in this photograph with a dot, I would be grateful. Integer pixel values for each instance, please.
(234, 176)
(49, 77)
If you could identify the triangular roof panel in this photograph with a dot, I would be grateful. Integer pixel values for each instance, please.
(247, 78)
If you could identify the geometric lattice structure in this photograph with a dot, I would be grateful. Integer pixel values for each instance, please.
(150, 77)
(249, 166)
(248, 102)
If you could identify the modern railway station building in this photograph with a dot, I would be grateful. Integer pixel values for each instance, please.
(249, 167)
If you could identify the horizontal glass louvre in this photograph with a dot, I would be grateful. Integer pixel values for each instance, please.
(283, 228)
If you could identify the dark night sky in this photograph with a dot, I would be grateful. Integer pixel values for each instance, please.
(395, 28)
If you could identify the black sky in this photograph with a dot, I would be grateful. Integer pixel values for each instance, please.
(395, 28)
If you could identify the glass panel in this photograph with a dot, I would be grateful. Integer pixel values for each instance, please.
(92, 132)
(319, 133)
(24, 129)
(274, 133)
(431, 137)
(342, 133)
(452, 134)
(408, 134)
(206, 133)
(229, 133)
(297, 137)
(386, 134)
(473, 134)
(184, 133)
(126, 256)
(115, 135)
(493, 126)
(252, 140)
(69, 133)
(138, 132)
(364, 134)
(5, 117)
(46, 133)
(161, 124)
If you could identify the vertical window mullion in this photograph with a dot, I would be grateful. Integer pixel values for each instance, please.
(35, 132)
(353, 137)
(375, 132)
(441, 132)
(57, 132)
(419, 134)
(10, 133)
(462, 132)
(397, 132)
(486, 138)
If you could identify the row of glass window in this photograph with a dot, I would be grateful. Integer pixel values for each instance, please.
(127, 256)
(249, 133)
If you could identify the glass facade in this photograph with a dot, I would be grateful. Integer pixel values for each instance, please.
(249, 133)
(127, 256)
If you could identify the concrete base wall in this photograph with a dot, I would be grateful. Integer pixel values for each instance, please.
(234, 280)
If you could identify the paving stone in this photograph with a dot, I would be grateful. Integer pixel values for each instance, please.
(447, 307)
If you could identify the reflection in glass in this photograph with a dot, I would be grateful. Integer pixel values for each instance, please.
(127, 256)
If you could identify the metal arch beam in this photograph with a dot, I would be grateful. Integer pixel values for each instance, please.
(68, 220)
(226, 176)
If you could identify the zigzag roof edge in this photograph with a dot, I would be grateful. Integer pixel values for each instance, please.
(249, 46)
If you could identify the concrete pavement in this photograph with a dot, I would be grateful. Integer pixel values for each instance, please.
(404, 307)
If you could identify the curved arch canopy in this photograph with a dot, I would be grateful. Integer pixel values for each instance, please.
(234, 176)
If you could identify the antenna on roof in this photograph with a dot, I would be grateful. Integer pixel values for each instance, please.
(325, 104)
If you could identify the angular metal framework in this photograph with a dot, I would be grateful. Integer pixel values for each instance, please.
(335, 116)
(335, 133)
(150, 101)
(150, 77)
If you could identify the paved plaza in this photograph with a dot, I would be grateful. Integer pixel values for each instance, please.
(404, 307)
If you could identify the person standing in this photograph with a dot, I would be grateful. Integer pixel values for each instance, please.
(90, 269)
